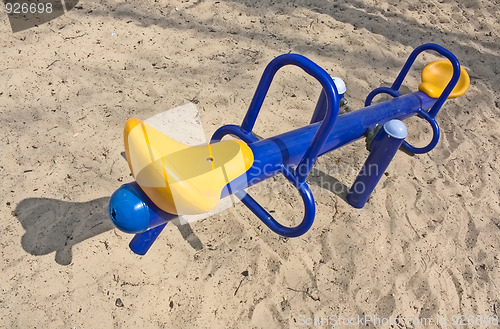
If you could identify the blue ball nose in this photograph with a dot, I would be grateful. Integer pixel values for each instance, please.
(128, 210)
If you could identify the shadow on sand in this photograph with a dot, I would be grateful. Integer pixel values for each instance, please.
(55, 225)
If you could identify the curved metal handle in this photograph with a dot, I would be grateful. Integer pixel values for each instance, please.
(435, 135)
(332, 99)
(380, 90)
(268, 219)
(428, 116)
(454, 79)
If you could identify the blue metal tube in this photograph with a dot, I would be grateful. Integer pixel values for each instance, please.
(133, 212)
(247, 137)
(287, 149)
(291, 232)
(141, 242)
(453, 81)
(382, 150)
(320, 109)
(331, 107)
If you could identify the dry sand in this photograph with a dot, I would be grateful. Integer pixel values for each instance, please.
(426, 245)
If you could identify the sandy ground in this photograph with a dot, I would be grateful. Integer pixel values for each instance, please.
(425, 246)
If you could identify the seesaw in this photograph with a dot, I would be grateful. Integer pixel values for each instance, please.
(175, 179)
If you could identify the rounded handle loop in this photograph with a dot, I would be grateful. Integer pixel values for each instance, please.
(454, 79)
(332, 101)
(273, 224)
(434, 140)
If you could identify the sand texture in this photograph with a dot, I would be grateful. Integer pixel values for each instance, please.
(425, 246)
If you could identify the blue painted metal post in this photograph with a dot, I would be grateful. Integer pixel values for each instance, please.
(320, 110)
(141, 242)
(382, 150)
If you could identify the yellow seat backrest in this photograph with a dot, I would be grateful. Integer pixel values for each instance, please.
(178, 178)
(435, 78)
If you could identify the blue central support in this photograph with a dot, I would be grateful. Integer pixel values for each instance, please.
(287, 149)
(383, 148)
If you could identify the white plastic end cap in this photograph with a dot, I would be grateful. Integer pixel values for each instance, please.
(396, 129)
(340, 84)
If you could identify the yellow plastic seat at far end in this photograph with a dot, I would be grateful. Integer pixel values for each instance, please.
(435, 78)
(182, 179)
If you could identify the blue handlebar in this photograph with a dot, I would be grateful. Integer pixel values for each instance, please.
(332, 101)
(429, 116)
(298, 176)
(454, 79)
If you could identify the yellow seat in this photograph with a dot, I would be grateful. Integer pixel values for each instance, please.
(436, 75)
(182, 179)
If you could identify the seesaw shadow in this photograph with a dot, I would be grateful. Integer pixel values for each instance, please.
(56, 225)
(327, 182)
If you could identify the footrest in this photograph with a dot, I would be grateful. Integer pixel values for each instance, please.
(290, 232)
